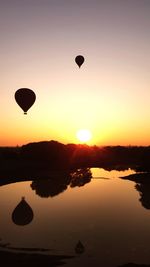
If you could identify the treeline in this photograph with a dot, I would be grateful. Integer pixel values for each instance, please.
(56, 155)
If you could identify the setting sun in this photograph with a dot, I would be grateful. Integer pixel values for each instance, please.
(84, 135)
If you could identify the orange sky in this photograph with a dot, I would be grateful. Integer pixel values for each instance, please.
(109, 95)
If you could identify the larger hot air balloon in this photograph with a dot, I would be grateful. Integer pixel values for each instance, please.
(25, 98)
(79, 60)
(22, 214)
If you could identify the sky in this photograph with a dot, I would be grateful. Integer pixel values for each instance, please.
(109, 95)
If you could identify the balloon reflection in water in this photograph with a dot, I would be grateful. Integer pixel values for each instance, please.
(79, 248)
(25, 98)
(79, 60)
(22, 214)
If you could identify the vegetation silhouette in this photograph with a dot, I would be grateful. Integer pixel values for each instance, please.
(58, 184)
(144, 191)
(50, 187)
(142, 181)
(80, 177)
(39, 159)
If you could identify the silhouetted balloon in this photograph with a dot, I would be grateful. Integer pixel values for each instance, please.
(79, 248)
(23, 213)
(25, 98)
(79, 60)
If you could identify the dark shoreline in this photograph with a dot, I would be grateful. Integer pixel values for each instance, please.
(56, 156)
(54, 160)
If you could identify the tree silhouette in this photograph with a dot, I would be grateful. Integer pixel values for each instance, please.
(80, 177)
(144, 190)
(56, 185)
(50, 187)
(142, 186)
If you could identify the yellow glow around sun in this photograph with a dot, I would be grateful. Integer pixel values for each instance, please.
(84, 135)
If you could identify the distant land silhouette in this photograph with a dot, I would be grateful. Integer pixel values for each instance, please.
(38, 159)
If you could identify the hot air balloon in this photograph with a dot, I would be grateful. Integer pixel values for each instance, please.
(79, 60)
(22, 214)
(25, 98)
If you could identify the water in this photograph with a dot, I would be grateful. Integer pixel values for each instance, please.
(105, 214)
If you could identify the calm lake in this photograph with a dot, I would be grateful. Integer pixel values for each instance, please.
(100, 223)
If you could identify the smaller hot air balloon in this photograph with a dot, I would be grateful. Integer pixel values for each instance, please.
(79, 60)
(25, 98)
(22, 214)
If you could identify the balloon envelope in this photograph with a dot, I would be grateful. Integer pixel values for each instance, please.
(25, 98)
(79, 60)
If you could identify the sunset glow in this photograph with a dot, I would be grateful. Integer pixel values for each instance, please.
(84, 135)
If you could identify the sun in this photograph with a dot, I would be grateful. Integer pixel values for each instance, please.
(84, 135)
